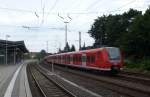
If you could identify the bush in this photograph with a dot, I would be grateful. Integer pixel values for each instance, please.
(146, 64)
(143, 64)
(131, 64)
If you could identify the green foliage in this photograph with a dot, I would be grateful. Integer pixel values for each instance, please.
(141, 65)
(137, 40)
(108, 30)
(67, 48)
(27, 56)
(131, 64)
(83, 48)
(130, 31)
(41, 54)
(146, 64)
(72, 48)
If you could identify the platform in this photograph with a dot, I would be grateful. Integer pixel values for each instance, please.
(14, 81)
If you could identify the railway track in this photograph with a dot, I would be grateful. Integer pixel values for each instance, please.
(48, 87)
(134, 78)
(116, 84)
(136, 74)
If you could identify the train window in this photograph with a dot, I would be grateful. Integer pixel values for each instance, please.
(83, 58)
(88, 59)
(68, 58)
(80, 58)
(74, 58)
(113, 53)
(98, 54)
(71, 59)
(92, 59)
(63, 58)
(77, 58)
(59, 58)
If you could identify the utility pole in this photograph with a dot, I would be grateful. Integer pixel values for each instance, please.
(7, 36)
(79, 40)
(14, 55)
(47, 46)
(66, 29)
(66, 32)
(0, 34)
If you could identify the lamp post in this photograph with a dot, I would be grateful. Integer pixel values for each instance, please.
(47, 47)
(7, 36)
(2, 56)
(14, 55)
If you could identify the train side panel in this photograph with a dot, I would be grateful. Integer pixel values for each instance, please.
(101, 59)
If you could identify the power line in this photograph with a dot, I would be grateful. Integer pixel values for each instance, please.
(41, 12)
(55, 13)
(132, 1)
(53, 6)
(117, 9)
(18, 10)
(93, 4)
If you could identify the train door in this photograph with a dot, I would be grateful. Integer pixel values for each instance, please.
(71, 59)
(83, 60)
(61, 61)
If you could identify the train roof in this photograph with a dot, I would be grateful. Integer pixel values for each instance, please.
(77, 52)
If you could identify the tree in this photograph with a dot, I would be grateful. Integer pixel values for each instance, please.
(72, 48)
(41, 54)
(137, 41)
(59, 51)
(67, 48)
(109, 30)
(97, 30)
(83, 48)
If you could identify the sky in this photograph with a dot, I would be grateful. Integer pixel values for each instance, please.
(40, 23)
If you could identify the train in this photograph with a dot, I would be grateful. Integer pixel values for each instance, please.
(102, 59)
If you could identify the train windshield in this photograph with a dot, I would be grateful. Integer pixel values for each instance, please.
(113, 53)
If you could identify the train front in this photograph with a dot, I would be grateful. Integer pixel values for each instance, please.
(114, 58)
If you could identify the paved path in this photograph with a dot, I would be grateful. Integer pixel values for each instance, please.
(14, 81)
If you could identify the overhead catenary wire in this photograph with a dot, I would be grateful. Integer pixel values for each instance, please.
(53, 6)
(72, 13)
(55, 13)
(116, 9)
(93, 4)
(43, 11)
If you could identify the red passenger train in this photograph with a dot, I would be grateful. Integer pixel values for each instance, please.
(105, 58)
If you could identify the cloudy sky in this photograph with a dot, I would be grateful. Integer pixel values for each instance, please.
(37, 21)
